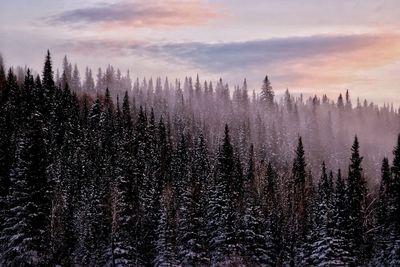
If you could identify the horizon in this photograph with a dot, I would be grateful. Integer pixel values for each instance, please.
(279, 92)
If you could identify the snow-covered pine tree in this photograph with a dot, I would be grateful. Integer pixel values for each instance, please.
(3, 80)
(191, 225)
(394, 209)
(75, 79)
(9, 113)
(25, 236)
(94, 241)
(65, 173)
(47, 80)
(340, 217)
(272, 213)
(165, 244)
(323, 252)
(253, 241)
(296, 231)
(149, 192)
(356, 202)
(382, 244)
(267, 94)
(221, 215)
(124, 206)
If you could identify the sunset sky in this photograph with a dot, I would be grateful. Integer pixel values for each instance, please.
(313, 46)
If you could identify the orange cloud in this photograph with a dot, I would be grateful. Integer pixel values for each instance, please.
(347, 63)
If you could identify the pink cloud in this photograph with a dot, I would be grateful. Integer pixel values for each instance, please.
(347, 63)
(139, 14)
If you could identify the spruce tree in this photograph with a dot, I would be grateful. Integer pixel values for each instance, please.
(66, 176)
(323, 252)
(2, 78)
(165, 249)
(297, 206)
(140, 142)
(149, 194)
(94, 235)
(253, 241)
(272, 213)
(384, 195)
(382, 237)
(394, 209)
(25, 237)
(47, 80)
(395, 194)
(124, 236)
(340, 218)
(221, 215)
(267, 94)
(191, 228)
(9, 106)
(299, 180)
(356, 201)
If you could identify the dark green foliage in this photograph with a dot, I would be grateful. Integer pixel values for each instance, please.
(298, 209)
(254, 243)
(356, 201)
(191, 225)
(221, 228)
(25, 236)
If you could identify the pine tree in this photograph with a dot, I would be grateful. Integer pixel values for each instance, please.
(356, 201)
(76, 79)
(254, 242)
(394, 209)
(221, 215)
(149, 196)
(64, 172)
(340, 103)
(104, 175)
(272, 209)
(124, 237)
(384, 201)
(201, 170)
(297, 206)
(348, 101)
(267, 94)
(47, 80)
(382, 244)
(25, 236)
(9, 112)
(2, 78)
(191, 227)
(165, 250)
(340, 218)
(95, 235)
(323, 253)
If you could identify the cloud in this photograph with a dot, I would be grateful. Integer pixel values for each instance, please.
(303, 61)
(236, 55)
(150, 13)
(101, 47)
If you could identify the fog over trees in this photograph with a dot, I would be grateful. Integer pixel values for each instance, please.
(101, 169)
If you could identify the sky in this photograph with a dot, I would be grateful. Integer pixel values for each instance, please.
(310, 46)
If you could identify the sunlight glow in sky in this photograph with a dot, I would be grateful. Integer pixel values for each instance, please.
(313, 46)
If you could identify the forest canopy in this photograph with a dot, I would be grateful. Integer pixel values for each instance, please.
(160, 172)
